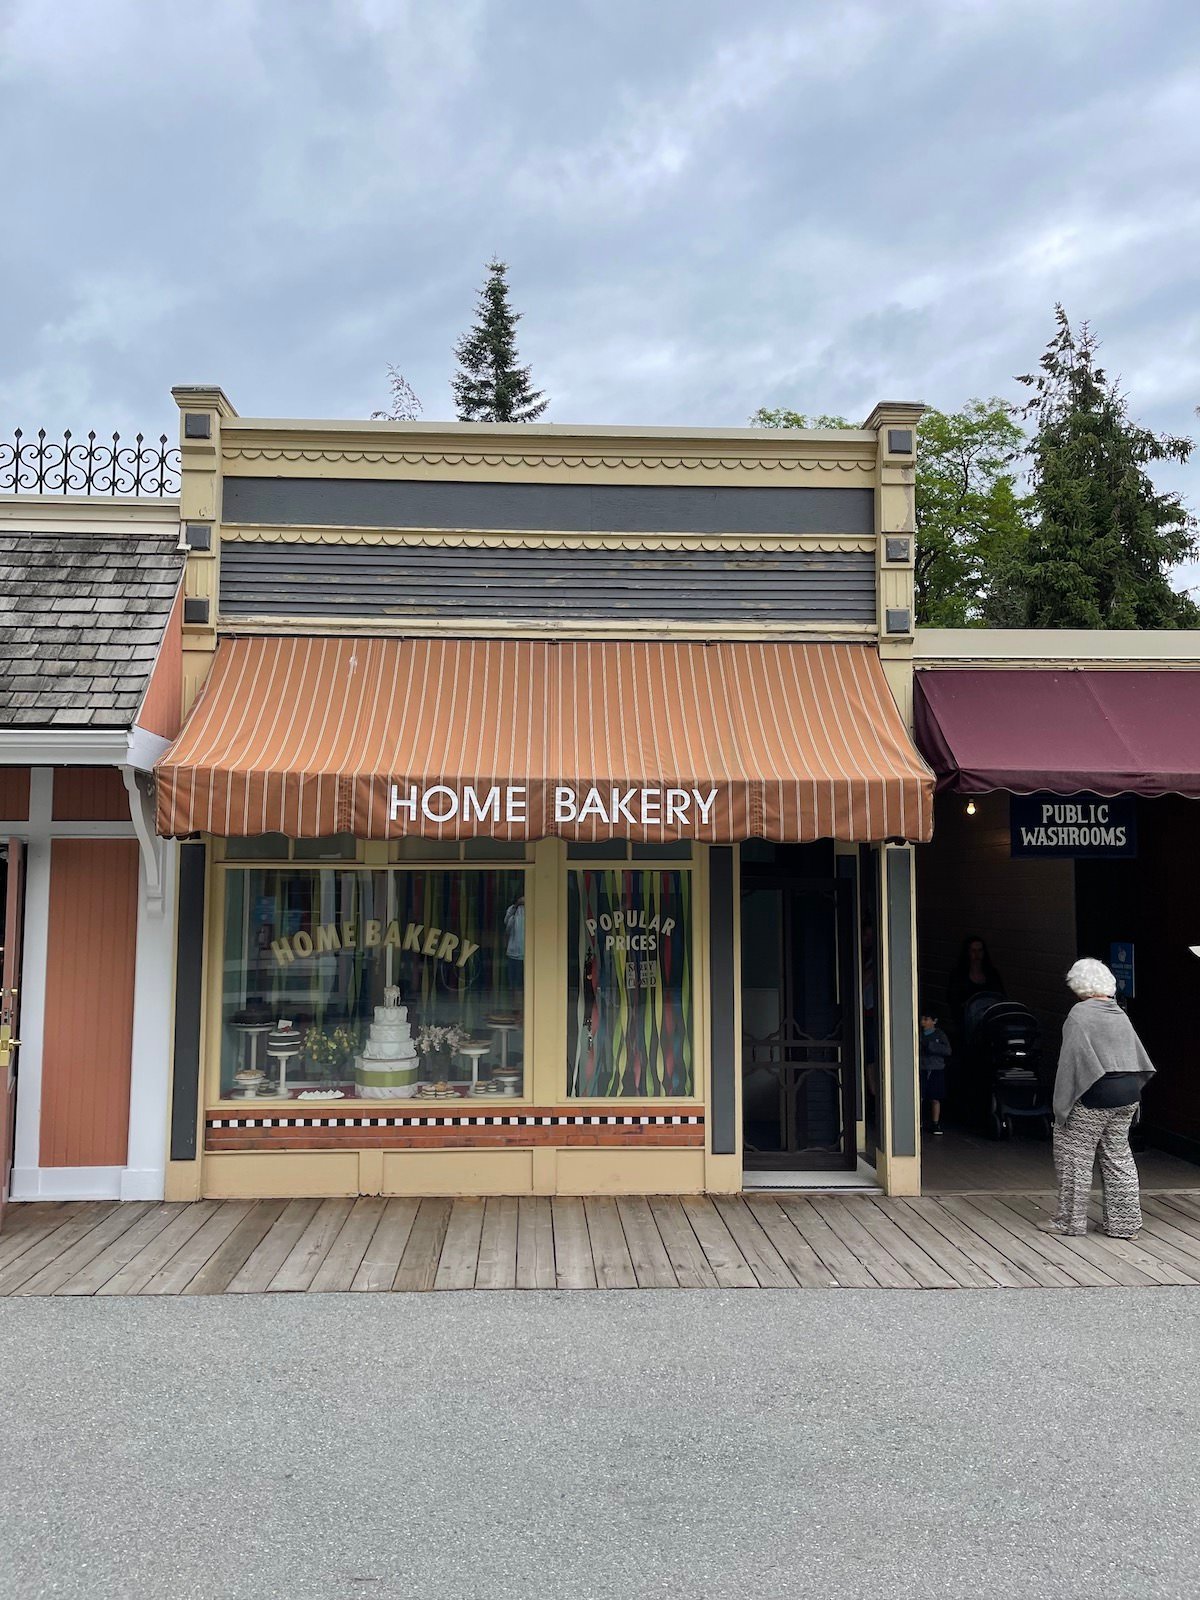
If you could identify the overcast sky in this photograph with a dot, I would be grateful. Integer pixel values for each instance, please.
(704, 206)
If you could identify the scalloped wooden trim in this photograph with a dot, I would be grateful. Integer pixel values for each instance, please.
(595, 462)
(481, 538)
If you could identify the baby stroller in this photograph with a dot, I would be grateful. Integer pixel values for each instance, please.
(1004, 1043)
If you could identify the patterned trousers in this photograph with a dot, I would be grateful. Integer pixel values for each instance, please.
(1087, 1133)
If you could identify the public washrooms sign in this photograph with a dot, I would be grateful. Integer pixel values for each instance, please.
(509, 803)
(1074, 825)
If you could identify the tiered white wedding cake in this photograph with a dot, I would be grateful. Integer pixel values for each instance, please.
(387, 1068)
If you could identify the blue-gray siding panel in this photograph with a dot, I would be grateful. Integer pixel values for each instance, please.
(561, 507)
(304, 580)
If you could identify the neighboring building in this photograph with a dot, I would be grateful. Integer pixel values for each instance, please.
(90, 697)
(1066, 824)
(589, 742)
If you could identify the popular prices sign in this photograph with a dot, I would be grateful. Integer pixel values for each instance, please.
(1075, 825)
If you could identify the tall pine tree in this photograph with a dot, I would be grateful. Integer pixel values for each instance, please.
(490, 386)
(1103, 540)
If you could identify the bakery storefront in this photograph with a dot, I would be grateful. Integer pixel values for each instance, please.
(461, 908)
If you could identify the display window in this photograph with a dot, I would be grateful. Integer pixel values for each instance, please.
(630, 1027)
(376, 985)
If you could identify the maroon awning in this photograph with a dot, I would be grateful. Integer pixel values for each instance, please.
(1106, 732)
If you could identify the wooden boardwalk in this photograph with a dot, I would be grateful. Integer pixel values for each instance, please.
(816, 1241)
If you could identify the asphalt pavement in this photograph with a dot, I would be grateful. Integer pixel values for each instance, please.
(593, 1445)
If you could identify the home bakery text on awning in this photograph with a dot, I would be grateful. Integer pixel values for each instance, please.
(513, 739)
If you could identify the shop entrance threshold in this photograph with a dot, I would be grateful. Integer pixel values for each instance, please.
(861, 1181)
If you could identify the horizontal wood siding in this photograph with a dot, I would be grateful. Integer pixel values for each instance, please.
(14, 794)
(557, 507)
(90, 794)
(302, 580)
(88, 1033)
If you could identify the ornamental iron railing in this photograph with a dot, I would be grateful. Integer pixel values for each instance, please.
(40, 465)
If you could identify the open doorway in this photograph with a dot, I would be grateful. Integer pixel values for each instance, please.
(1036, 916)
(799, 1020)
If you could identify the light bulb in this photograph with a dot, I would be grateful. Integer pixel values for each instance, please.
(970, 808)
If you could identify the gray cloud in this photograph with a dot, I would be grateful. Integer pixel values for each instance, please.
(705, 207)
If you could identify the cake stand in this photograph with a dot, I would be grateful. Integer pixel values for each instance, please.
(284, 1058)
(504, 1029)
(474, 1051)
(253, 1031)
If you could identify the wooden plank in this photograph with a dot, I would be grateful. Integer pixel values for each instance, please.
(175, 1275)
(77, 1226)
(230, 1257)
(535, 1243)
(1157, 1241)
(610, 1253)
(265, 1260)
(381, 1260)
(883, 1266)
(1074, 1256)
(134, 1276)
(303, 1260)
(932, 1246)
(419, 1263)
(651, 1264)
(460, 1249)
(802, 1261)
(728, 1264)
(840, 1260)
(573, 1265)
(1166, 1223)
(988, 1260)
(101, 1268)
(337, 1272)
(688, 1261)
(498, 1244)
(767, 1265)
(119, 1220)
(1122, 1259)
(1186, 1204)
(27, 1222)
(1000, 1229)
(929, 1273)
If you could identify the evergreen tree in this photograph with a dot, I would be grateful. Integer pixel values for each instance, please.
(1104, 540)
(489, 385)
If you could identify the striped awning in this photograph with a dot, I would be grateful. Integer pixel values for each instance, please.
(522, 738)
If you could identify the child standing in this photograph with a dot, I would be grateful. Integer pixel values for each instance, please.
(935, 1052)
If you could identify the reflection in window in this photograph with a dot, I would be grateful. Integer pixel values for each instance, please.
(629, 1001)
(380, 985)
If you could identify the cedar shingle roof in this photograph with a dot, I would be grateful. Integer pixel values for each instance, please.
(81, 619)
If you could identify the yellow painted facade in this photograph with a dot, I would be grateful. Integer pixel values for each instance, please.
(217, 446)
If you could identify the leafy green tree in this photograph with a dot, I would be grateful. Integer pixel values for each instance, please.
(1104, 539)
(490, 385)
(781, 417)
(971, 521)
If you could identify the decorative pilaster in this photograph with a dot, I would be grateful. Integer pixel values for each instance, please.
(894, 423)
(202, 409)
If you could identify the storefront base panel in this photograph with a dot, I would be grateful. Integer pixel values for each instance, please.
(630, 1172)
(293, 1174)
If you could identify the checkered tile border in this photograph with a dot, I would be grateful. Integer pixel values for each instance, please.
(672, 1127)
(530, 1119)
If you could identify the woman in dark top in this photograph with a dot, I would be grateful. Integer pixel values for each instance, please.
(973, 974)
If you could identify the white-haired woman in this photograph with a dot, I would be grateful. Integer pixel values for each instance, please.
(1102, 1070)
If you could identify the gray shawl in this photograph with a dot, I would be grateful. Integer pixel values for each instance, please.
(1097, 1038)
